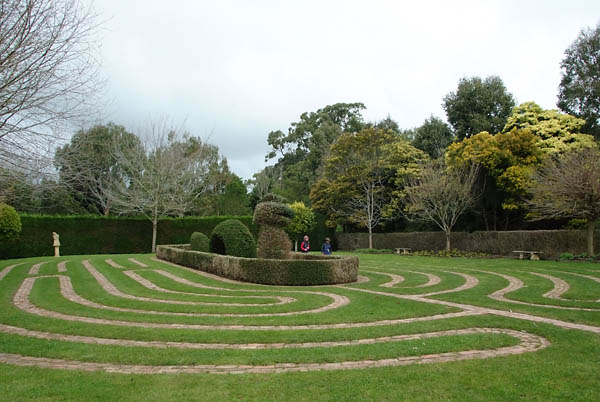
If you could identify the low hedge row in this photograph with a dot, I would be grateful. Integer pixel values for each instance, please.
(105, 235)
(550, 242)
(301, 270)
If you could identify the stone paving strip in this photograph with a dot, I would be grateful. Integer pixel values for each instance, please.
(67, 291)
(147, 284)
(396, 279)
(515, 284)
(432, 279)
(114, 264)
(35, 269)
(484, 310)
(21, 301)
(62, 266)
(338, 300)
(470, 282)
(7, 270)
(561, 287)
(137, 262)
(528, 343)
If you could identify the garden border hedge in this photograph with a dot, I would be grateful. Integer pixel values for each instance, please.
(550, 242)
(300, 270)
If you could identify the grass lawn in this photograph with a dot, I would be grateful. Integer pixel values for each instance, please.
(131, 328)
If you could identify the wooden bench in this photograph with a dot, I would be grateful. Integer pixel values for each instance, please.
(533, 255)
(405, 250)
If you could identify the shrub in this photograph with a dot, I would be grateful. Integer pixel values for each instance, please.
(273, 213)
(450, 253)
(566, 256)
(10, 223)
(231, 237)
(273, 242)
(199, 242)
(301, 269)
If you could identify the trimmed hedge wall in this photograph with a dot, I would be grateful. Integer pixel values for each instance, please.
(301, 270)
(105, 235)
(550, 242)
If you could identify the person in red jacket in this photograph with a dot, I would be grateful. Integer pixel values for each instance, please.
(305, 245)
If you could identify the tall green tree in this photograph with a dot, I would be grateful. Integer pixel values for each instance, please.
(433, 137)
(87, 164)
(478, 105)
(362, 176)
(579, 89)
(234, 199)
(300, 152)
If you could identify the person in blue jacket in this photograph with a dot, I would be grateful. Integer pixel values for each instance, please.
(326, 247)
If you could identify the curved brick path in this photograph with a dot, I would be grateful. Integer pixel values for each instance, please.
(529, 343)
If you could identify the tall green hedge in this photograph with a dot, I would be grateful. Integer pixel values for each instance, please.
(105, 235)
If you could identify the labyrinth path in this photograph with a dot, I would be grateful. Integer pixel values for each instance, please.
(171, 319)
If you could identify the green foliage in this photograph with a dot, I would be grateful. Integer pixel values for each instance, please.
(579, 92)
(302, 222)
(199, 242)
(368, 166)
(566, 257)
(232, 237)
(302, 149)
(234, 199)
(270, 197)
(273, 243)
(449, 253)
(273, 217)
(10, 223)
(558, 133)
(433, 137)
(87, 164)
(478, 105)
(95, 234)
(508, 159)
(273, 214)
(301, 270)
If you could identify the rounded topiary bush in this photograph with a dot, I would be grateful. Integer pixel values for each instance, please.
(10, 222)
(232, 237)
(199, 242)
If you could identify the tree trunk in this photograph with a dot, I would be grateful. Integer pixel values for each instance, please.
(370, 238)
(154, 226)
(590, 236)
(447, 241)
(296, 245)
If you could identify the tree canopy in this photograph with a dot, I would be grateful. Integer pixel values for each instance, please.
(301, 151)
(361, 178)
(579, 89)
(433, 137)
(478, 105)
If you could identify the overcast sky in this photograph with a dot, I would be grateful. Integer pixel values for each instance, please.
(235, 70)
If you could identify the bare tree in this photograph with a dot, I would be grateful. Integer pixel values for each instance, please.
(369, 203)
(441, 195)
(48, 74)
(569, 187)
(162, 175)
